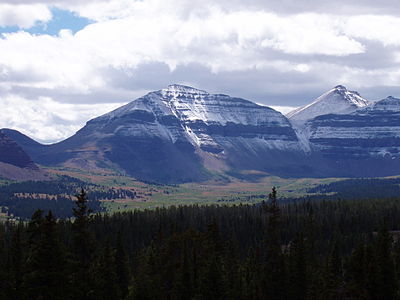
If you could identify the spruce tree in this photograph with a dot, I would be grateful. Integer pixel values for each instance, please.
(386, 276)
(356, 273)
(15, 265)
(3, 271)
(274, 267)
(297, 269)
(45, 277)
(104, 277)
(122, 267)
(82, 246)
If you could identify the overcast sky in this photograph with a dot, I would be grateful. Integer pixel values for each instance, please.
(63, 62)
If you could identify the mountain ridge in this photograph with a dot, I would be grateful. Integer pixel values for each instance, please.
(183, 134)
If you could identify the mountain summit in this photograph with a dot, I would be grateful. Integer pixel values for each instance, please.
(338, 100)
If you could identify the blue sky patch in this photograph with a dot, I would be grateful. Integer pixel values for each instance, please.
(62, 19)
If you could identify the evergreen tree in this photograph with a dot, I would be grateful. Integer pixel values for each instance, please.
(104, 277)
(45, 277)
(333, 274)
(82, 245)
(122, 267)
(356, 273)
(371, 274)
(15, 266)
(3, 271)
(297, 269)
(274, 270)
(386, 276)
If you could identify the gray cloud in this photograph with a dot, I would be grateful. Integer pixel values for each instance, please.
(388, 7)
(286, 61)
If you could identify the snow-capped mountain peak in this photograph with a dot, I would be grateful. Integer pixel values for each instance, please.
(338, 100)
(180, 90)
(388, 104)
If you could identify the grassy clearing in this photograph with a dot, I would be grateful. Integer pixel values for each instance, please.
(227, 190)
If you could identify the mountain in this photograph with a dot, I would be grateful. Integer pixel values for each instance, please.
(29, 145)
(180, 134)
(365, 142)
(15, 163)
(11, 153)
(338, 100)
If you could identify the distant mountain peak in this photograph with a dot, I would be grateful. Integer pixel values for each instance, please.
(179, 88)
(338, 100)
(390, 103)
(340, 87)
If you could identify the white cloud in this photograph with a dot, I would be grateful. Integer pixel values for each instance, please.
(45, 119)
(284, 109)
(24, 15)
(252, 48)
(384, 29)
(221, 41)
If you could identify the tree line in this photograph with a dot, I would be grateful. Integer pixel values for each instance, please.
(303, 250)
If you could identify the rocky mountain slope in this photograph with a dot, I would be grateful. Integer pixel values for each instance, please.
(369, 132)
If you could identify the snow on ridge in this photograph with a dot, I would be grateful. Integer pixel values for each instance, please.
(182, 89)
(338, 100)
(388, 104)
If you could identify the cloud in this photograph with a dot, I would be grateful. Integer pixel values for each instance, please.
(45, 119)
(278, 53)
(24, 15)
(222, 42)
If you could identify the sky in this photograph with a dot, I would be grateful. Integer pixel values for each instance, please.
(63, 62)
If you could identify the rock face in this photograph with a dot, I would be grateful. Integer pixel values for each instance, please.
(338, 100)
(365, 142)
(11, 153)
(370, 132)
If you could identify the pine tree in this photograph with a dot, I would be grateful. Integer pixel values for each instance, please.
(333, 274)
(274, 270)
(122, 268)
(82, 245)
(45, 277)
(3, 273)
(15, 266)
(297, 269)
(356, 273)
(386, 276)
(104, 276)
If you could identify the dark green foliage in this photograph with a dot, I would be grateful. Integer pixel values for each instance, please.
(56, 201)
(45, 263)
(121, 267)
(323, 250)
(385, 276)
(297, 262)
(274, 268)
(103, 276)
(82, 250)
(15, 265)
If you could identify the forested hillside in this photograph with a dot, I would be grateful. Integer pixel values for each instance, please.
(303, 250)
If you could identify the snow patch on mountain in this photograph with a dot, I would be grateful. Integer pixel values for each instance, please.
(185, 113)
(338, 100)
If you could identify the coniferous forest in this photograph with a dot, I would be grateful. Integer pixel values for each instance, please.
(301, 250)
